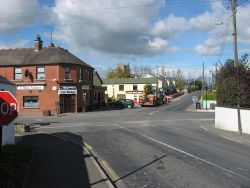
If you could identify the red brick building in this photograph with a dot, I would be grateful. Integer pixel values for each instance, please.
(48, 79)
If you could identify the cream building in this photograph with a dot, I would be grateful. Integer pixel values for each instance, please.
(129, 88)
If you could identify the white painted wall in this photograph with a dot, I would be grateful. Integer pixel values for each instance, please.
(227, 119)
(8, 136)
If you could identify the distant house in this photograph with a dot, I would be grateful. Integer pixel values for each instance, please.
(48, 79)
(8, 133)
(129, 88)
(98, 90)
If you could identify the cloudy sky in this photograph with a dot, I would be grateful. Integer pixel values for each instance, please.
(174, 33)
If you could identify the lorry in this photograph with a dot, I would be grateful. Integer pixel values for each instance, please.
(150, 97)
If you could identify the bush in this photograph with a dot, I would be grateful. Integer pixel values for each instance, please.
(210, 96)
(227, 91)
(14, 165)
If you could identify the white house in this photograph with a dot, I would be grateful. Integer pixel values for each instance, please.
(129, 88)
(8, 133)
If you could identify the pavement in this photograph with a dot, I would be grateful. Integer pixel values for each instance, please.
(60, 163)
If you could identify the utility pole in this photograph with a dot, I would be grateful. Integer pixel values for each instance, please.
(236, 64)
(202, 90)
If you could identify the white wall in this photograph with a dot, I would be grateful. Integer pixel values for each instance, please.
(227, 119)
(8, 136)
(113, 90)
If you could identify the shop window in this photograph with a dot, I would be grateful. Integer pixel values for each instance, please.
(40, 73)
(84, 97)
(121, 96)
(30, 102)
(67, 73)
(18, 73)
(94, 96)
(135, 88)
(121, 87)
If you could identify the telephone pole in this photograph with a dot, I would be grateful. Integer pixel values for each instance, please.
(202, 84)
(236, 64)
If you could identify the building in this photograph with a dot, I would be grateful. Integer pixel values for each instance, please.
(50, 79)
(129, 88)
(98, 91)
(8, 132)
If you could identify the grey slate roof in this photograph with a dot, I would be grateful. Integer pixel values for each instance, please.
(108, 81)
(27, 56)
(3, 80)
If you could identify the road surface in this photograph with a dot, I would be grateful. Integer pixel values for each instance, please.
(161, 147)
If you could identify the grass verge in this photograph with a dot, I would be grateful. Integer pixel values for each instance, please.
(14, 165)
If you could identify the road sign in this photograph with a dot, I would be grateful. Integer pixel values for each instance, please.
(8, 108)
(194, 99)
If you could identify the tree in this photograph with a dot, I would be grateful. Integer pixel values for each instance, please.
(227, 91)
(124, 72)
(179, 80)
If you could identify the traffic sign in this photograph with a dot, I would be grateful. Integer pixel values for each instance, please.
(8, 108)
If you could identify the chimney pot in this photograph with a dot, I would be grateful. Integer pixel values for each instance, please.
(38, 43)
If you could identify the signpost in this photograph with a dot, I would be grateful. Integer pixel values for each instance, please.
(8, 110)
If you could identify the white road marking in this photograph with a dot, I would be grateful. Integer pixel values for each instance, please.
(204, 128)
(183, 152)
(230, 139)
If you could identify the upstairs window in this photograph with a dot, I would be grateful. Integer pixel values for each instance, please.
(134, 87)
(67, 73)
(40, 73)
(121, 87)
(81, 74)
(18, 73)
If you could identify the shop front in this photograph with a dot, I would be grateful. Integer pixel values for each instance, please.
(67, 95)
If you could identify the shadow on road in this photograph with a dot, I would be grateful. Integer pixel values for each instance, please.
(56, 163)
(138, 169)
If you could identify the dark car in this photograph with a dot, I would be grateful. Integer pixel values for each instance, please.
(122, 103)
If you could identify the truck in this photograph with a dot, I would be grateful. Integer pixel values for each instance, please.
(150, 97)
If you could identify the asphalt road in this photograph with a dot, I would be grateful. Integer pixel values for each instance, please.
(157, 147)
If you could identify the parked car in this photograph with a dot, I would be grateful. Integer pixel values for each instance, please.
(122, 103)
(128, 103)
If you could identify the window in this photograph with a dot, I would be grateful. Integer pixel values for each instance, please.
(134, 87)
(94, 96)
(84, 97)
(81, 74)
(30, 102)
(105, 88)
(67, 73)
(40, 73)
(121, 87)
(18, 73)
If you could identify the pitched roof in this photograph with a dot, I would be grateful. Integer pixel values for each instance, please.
(27, 56)
(3, 80)
(97, 79)
(108, 81)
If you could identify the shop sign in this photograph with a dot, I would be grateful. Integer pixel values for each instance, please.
(134, 92)
(30, 87)
(68, 90)
(85, 87)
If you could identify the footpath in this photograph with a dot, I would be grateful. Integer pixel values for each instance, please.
(229, 135)
(59, 163)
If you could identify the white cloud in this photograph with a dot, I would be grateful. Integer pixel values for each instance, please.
(121, 32)
(18, 44)
(15, 14)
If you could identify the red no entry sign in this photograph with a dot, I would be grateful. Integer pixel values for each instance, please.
(8, 108)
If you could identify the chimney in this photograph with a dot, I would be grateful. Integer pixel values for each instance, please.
(38, 43)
